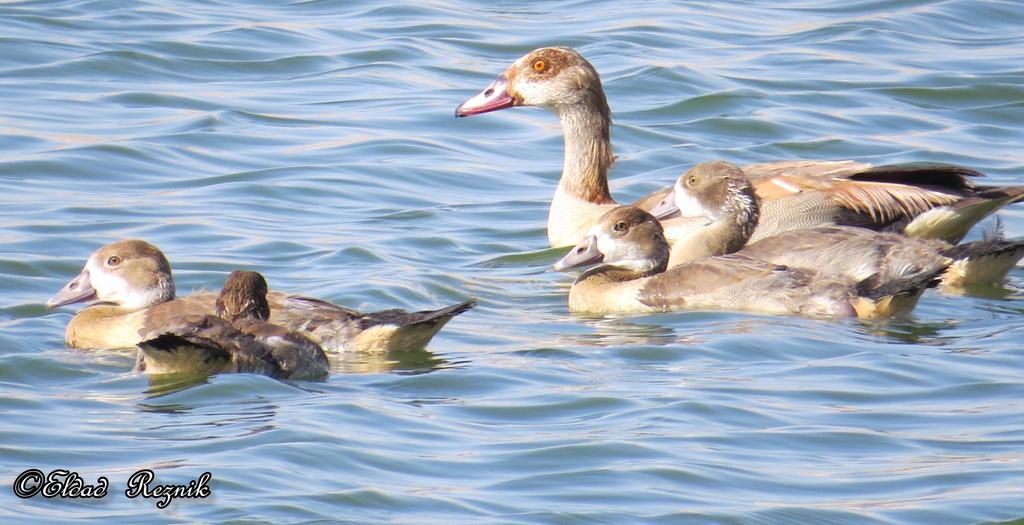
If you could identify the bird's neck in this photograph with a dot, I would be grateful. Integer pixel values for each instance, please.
(588, 153)
(582, 195)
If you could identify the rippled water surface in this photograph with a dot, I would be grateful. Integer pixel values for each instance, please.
(314, 141)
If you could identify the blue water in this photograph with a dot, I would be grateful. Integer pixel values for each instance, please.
(314, 141)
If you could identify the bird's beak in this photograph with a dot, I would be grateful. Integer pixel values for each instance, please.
(666, 208)
(495, 97)
(77, 290)
(583, 254)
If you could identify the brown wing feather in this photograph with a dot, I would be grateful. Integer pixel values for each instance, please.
(210, 339)
(671, 288)
(297, 356)
(810, 174)
(885, 202)
(280, 300)
(883, 193)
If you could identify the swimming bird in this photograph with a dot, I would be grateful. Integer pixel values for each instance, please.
(239, 339)
(815, 192)
(631, 252)
(131, 284)
(717, 203)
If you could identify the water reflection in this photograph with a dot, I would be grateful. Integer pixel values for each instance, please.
(401, 362)
(165, 384)
(695, 328)
(908, 330)
(688, 328)
(614, 331)
(997, 291)
(405, 362)
(205, 426)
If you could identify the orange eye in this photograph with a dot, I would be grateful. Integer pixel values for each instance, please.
(539, 65)
(691, 180)
(113, 260)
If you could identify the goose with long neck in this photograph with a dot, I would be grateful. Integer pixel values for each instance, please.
(560, 79)
(631, 252)
(817, 192)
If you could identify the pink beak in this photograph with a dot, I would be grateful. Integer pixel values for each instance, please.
(495, 97)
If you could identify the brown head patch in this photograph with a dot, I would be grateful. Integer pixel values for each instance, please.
(244, 295)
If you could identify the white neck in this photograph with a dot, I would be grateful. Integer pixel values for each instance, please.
(582, 195)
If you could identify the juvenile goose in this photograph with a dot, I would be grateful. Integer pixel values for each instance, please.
(631, 249)
(818, 193)
(714, 211)
(238, 339)
(720, 194)
(131, 283)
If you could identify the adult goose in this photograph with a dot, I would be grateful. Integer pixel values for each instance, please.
(816, 192)
(631, 252)
(238, 339)
(131, 284)
(720, 213)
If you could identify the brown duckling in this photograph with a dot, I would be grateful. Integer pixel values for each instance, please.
(239, 339)
(131, 284)
(630, 248)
